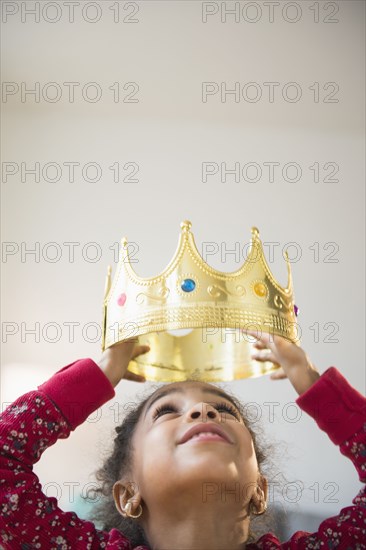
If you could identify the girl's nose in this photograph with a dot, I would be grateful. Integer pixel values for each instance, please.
(203, 410)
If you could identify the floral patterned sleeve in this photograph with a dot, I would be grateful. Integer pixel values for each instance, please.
(340, 411)
(28, 518)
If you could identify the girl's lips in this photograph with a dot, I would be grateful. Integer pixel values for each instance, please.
(206, 436)
(212, 428)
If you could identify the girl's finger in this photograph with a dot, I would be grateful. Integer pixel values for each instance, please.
(139, 350)
(134, 377)
(132, 340)
(259, 345)
(277, 376)
(264, 338)
(264, 355)
(251, 333)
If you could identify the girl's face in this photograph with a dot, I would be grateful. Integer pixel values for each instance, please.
(167, 462)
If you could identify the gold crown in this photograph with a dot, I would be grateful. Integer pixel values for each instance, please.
(189, 294)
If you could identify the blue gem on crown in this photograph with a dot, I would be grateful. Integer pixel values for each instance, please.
(296, 310)
(188, 285)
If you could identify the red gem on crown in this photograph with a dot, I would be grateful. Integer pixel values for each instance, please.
(122, 299)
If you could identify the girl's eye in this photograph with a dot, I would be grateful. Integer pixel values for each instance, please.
(227, 408)
(162, 409)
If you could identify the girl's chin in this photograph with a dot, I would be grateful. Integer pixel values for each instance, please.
(210, 471)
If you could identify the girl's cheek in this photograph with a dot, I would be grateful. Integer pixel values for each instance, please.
(246, 444)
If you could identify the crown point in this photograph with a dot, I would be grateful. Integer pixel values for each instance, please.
(255, 231)
(186, 225)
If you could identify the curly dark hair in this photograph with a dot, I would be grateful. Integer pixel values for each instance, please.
(105, 514)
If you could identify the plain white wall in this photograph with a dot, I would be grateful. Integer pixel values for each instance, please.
(169, 132)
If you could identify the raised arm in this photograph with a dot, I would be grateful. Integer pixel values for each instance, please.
(340, 411)
(31, 424)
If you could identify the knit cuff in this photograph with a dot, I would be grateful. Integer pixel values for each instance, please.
(337, 407)
(78, 390)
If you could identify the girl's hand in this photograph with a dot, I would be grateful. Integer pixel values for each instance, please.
(116, 358)
(295, 364)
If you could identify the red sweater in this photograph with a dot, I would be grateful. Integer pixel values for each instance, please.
(31, 520)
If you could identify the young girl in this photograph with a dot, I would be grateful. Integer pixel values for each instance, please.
(176, 461)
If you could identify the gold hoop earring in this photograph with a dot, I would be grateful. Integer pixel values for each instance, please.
(128, 508)
(259, 513)
(252, 508)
